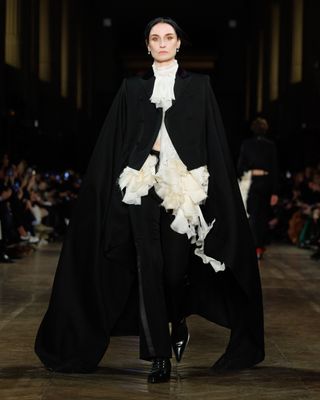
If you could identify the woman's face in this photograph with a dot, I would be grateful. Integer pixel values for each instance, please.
(163, 43)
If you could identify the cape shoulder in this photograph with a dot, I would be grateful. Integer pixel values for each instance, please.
(197, 77)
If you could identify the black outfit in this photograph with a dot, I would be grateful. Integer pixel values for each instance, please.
(259, 152)
(162, 267)
(98, 282)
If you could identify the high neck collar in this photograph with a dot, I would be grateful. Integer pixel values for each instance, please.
(163, 90)
(165, 70)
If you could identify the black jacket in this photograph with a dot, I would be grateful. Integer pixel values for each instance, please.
(259, 152)
(94, 295)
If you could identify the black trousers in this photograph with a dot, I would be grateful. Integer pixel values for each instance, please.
(162, 267)
(258, 205)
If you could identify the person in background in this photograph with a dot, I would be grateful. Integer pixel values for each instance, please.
(258, 179)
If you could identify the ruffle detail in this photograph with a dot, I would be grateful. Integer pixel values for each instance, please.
(138, 182)
(203, 230)
(163, 93)
(182, 192)
(163, 90)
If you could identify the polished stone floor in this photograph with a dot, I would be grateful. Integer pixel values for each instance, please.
(291, 370)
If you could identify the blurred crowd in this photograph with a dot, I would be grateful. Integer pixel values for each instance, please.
(35, 206)
(295, 219)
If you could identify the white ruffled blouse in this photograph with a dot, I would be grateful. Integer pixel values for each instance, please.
(182, 191)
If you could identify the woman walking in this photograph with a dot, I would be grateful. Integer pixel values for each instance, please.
(159, 231)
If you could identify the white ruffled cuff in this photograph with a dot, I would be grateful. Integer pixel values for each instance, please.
(138, 182)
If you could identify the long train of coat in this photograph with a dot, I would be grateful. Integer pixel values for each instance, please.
(94, 294)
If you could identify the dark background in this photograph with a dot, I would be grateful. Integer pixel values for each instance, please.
(104, 42)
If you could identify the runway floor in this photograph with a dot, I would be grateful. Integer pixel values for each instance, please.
(291, 370)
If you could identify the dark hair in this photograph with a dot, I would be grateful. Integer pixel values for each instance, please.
(166, 20)
(259, 126)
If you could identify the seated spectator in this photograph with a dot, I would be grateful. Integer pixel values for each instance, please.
(35, 206)
(40, 212)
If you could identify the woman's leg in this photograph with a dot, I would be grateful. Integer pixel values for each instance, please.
(258, 208)
(154, 332)
(176, 252)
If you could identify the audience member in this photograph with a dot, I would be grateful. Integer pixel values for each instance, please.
(35, 206)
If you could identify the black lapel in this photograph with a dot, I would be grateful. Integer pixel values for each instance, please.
(148, 82)
(181, 82)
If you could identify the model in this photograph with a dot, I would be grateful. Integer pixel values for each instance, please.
(159, 231)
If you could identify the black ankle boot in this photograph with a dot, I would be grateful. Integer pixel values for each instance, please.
(179, 339)
(160, 370)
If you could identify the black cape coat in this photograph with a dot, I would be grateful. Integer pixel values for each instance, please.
(95, 290)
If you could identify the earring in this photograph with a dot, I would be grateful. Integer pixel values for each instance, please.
(149, 52)
(177, 50)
